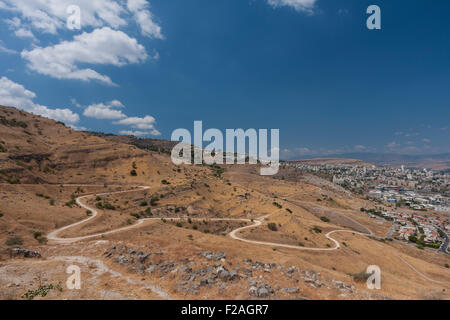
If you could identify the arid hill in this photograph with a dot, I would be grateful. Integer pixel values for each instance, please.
(194, 232)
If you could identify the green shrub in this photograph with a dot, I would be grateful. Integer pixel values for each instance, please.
(41, 291)
(324, 219)
(13, 181)
(288, 210)
(154, 201)
(37, 234)
(317, 230)
(276, 204)
(361, 277)
(133, 173)
(272, 226)
(136, 215)
(14, 241)
(70, 203)
(143, 203)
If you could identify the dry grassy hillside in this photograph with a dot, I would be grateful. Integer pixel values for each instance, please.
(175, 239)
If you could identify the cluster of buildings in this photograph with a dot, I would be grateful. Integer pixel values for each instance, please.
(417, 225)
(419, 189)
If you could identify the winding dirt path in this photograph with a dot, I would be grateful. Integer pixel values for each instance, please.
(53, 236)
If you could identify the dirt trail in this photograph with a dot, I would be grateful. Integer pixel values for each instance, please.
(53, 236)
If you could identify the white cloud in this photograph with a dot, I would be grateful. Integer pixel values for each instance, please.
(105, 111)
(50, 15)
(24, 33)
(145, 126)
(144, 18)
(5, 49)
(102, 46)
(299, 5)
(13, 23)
(426, 140)
(15, 95)
(146, 123)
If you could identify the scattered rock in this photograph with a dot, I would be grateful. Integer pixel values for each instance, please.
(25, 253)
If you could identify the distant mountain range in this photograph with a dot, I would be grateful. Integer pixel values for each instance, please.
(434, 161)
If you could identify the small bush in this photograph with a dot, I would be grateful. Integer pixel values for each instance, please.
(324, 219)
(317, 230)
(37, 234)
(133, 173)
(88, 213)
(154, 201)
(272, 226)
(288, 210)
(276, 204)
(179, 224)
(165, 182)
(13, 181)
(14, 241)
(136, 215)
(70, 203)
(361, 277)
(143, 203)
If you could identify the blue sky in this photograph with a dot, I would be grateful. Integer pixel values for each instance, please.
(308, 67)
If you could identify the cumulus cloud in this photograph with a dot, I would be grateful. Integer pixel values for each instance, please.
(144, 18)
(105, 111)
(50, 15)
(25, 33)
(103, 46)
(15, 95)
(298, 5)
(111, 111)
(146, 123)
